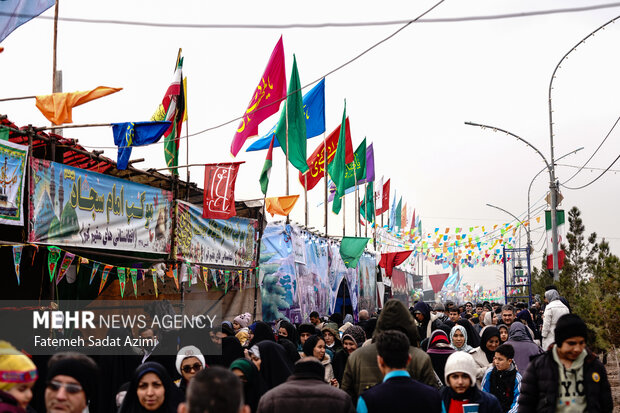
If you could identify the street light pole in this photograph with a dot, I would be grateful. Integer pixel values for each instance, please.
(529, 223)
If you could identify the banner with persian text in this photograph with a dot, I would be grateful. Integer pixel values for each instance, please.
(77, 207)
(13, 159)
(230, 242)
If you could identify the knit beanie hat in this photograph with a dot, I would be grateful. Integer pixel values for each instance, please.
(310, 344)
(78, 369)
(569, 325)
(243, 320)
(187, 352)
(15, 367)
(355, 333)
(461, 362)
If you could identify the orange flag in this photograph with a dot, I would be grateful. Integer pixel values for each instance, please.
(57, 106)
(281, 205)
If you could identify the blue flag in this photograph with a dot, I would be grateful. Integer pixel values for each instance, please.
(393, 212)
(129, 134)
(14, 13)
(314, 107)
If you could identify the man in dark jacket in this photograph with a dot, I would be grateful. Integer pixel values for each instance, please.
(567, 377)
(398, 392)
(305, 391)
(362, 371)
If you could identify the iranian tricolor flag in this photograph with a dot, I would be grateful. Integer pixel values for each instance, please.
(560, 223)
(266, 172)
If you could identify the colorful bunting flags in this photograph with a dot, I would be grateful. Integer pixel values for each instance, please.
(17, 258)
(53, 256)
(134, 280)
(122, 277)
(154, 276)
(104, 276)
(66, 262)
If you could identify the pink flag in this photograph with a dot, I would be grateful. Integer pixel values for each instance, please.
(219, 190)
(271, 90)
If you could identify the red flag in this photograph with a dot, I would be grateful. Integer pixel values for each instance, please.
(386, 198)
(316, 163)
(412, 220)
(561, 256)
(271, 90)
(219, 190)
(389, 260)
(437, 281)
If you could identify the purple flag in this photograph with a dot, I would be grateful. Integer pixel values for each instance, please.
(370, 165)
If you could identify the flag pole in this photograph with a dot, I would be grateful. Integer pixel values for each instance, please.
(357, 203)
(365, 208)
(54, 47)
(306, 197)
(186, 141)
(344, 221)
(286, 119)
(325, 177)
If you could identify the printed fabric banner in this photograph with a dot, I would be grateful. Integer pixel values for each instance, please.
(312, 279)
(12, 172)
(367, 268)
(230, 242)
(72, 206)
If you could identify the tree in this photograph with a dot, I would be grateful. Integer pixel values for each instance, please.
(589, 280)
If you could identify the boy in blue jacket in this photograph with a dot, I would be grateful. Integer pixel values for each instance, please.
(503, 380)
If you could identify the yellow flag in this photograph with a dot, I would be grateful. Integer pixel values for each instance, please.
(57, 107)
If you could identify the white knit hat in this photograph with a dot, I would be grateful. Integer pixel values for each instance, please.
(187, 352)
(461, 362)
(243, 320)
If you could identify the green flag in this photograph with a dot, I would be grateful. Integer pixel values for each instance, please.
(294, 110)
(4, 134)
(367, 208)
(266, 172)
(357, 168)
(351, 249)
(336, 168)
(397, 217)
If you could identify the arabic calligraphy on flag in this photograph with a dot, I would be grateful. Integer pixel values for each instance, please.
(219, 190)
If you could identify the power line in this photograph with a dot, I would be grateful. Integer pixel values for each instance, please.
(594, 153)
(595, 179)
(318, 25)
(590, 168)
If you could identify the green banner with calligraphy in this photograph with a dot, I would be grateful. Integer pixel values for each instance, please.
(77, 207)
(229, 242)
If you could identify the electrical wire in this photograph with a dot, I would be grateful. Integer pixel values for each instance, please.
(595, 179)
(318, 25)
(590, 168)
(594, 153)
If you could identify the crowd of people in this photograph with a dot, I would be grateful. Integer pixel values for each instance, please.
(438, 357)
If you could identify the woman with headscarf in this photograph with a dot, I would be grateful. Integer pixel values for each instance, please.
(553, 311)
(458, 339)
(275, 366)
(249, 376)
(315, 347)
(352, 339)
(473, 337)
(483, 355)
(439, 349)
(332, 338)
(151, 390)
(523, 345)
(231, 351)
(287, 338)
(503, 333)
(262, 332)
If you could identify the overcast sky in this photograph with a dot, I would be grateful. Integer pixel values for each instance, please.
(409, 96)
